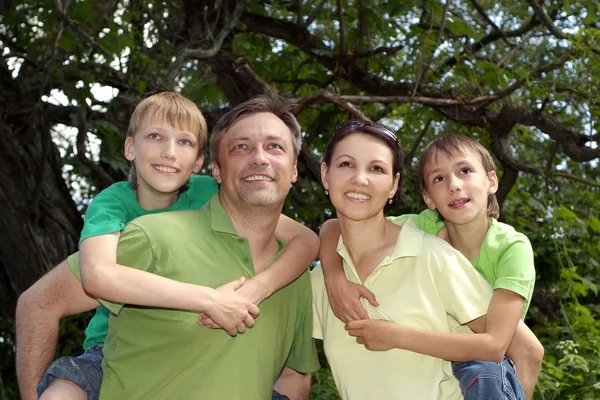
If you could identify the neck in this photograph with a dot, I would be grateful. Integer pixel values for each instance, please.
(151, 200)
(363, 237)
(257, 224)
(468, 238)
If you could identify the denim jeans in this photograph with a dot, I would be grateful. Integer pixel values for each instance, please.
(277, 396)
(85, 371)
(488, 380)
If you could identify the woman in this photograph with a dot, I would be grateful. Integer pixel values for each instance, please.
(405, 268)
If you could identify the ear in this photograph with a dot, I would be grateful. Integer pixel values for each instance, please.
(216, 172)
(198, 164)
(493, 181)
(324, 170)
(128, 149)
(428, 201)
(395, 186)
(295, 172)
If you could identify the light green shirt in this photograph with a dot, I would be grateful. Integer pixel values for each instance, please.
(164, 354)
(425, 284)
(110, 211)
(505, 259)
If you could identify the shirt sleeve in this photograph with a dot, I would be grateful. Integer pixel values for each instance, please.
(427, 221)
(135, 251)
(303, 355)
(516, 270)
(105, 214)
(317, 285)
(461, 288)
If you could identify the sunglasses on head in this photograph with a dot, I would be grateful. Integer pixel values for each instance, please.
(349, 125)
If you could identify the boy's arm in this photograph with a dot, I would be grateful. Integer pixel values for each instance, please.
(497, 331)
(344, 296)
(102, 277)
(301, 250)
(527, 353)
(293, 384)
(56, 295)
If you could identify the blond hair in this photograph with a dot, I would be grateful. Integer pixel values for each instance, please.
(173, 108)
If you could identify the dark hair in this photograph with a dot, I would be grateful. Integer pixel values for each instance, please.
(452, 145)
(270, 102)
(398, 157)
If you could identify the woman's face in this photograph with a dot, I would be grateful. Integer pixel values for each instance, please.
(360, 178)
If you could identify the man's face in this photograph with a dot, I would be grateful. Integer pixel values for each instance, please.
(257, 162)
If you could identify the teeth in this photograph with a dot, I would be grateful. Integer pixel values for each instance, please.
(457, 203)
(165, 169)
(358, 196)
(258, 178)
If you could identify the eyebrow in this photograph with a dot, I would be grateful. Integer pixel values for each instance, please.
(372, 161)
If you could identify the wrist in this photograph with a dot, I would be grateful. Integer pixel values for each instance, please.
(205, 299)
(265, 289)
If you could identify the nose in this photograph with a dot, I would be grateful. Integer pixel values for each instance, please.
(168, 150)
(454, 184)
(259, 156)
(360, 178)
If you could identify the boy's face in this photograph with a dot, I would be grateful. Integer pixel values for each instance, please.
(257, 162)
(458, 187)
(165, 156)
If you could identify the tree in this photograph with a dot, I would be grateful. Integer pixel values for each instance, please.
(520, 76)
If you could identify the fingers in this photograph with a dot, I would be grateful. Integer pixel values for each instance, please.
(235, 285)
(367, 294)
(249, 321)
(253, 310)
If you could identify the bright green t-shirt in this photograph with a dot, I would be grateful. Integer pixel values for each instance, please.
(153, 353)
(110, 211)
(505, 259)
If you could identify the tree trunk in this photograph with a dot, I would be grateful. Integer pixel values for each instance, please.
(40, 222)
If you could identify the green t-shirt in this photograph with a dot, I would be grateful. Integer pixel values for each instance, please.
(505, 259)
(164, 354)
(110, 211)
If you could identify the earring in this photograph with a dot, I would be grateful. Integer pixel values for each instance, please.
(390, 200)
(326, 192)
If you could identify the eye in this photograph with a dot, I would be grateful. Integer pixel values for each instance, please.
(240, 146)
(154, 136)
(438, 179)
(465, 171)
(275, 146)
(186, 142)
(345, 164)
(377, 168)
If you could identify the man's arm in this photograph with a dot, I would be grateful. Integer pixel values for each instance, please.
(527, 353)
(56, 295)
(293, 384)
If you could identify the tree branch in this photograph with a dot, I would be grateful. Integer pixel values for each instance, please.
(315, 13)
(101, 178)
(546, 20)
(325, 96)
(79, 31)
(340, 13)
(486, 17)
(188, 53)
(417, 143)
(382, 49)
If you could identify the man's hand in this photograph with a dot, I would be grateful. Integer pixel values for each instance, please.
(230, 311)
(344, 298)
(375, 334)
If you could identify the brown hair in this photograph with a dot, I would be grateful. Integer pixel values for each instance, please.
(452, 145)
(394, 145)
(173, 108)
(270, 102)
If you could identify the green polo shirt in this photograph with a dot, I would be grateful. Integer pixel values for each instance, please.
(164, 354)
(505, 259)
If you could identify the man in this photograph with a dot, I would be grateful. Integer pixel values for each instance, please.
(157, 353)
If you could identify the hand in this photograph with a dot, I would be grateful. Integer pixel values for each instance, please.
(253, 290)
(229, 310)
(344, 298)
(375, 334)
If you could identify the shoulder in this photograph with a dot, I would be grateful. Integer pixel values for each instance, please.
(120, 191)
(202, 183)
(165, 220)
(502, 236)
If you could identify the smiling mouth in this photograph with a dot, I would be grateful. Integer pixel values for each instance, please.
(358, 196)
(459, 202)
(255, 178)
(165, 169)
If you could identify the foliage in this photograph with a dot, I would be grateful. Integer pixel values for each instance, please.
(522, 77)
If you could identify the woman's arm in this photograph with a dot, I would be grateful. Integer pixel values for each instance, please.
(102, 277)
(527, 353)
(499, 328)
(344, 296)
(300, 252)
